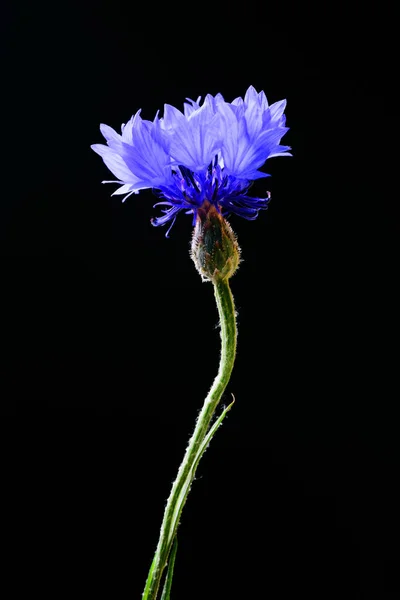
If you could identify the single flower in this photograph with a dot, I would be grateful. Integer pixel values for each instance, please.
(211, 153)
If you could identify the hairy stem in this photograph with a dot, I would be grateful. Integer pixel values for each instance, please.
(181, 486)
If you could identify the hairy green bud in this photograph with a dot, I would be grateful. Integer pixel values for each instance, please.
(215, 250)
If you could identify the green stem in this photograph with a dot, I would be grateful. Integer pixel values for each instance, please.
(181, 486)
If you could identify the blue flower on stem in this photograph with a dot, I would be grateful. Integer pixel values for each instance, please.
(203, 162)
(209, 153)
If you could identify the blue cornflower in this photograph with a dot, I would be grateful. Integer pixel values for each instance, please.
(210, 153)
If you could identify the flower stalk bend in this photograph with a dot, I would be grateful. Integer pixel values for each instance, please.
(181, 486)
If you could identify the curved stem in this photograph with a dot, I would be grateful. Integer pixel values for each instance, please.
(181, 486)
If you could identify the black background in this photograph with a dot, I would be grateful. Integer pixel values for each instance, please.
(110, 338)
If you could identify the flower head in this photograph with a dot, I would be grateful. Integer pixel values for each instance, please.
(211, 153)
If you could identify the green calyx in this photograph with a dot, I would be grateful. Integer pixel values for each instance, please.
(215, 250)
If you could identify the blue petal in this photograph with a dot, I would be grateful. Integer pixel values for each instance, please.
(195, 140)
(236, 142)
(189, 108)
(251, 97)
(273, 117)
(117, 165)
(146, 157)
(124, 189)
(109, 133)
